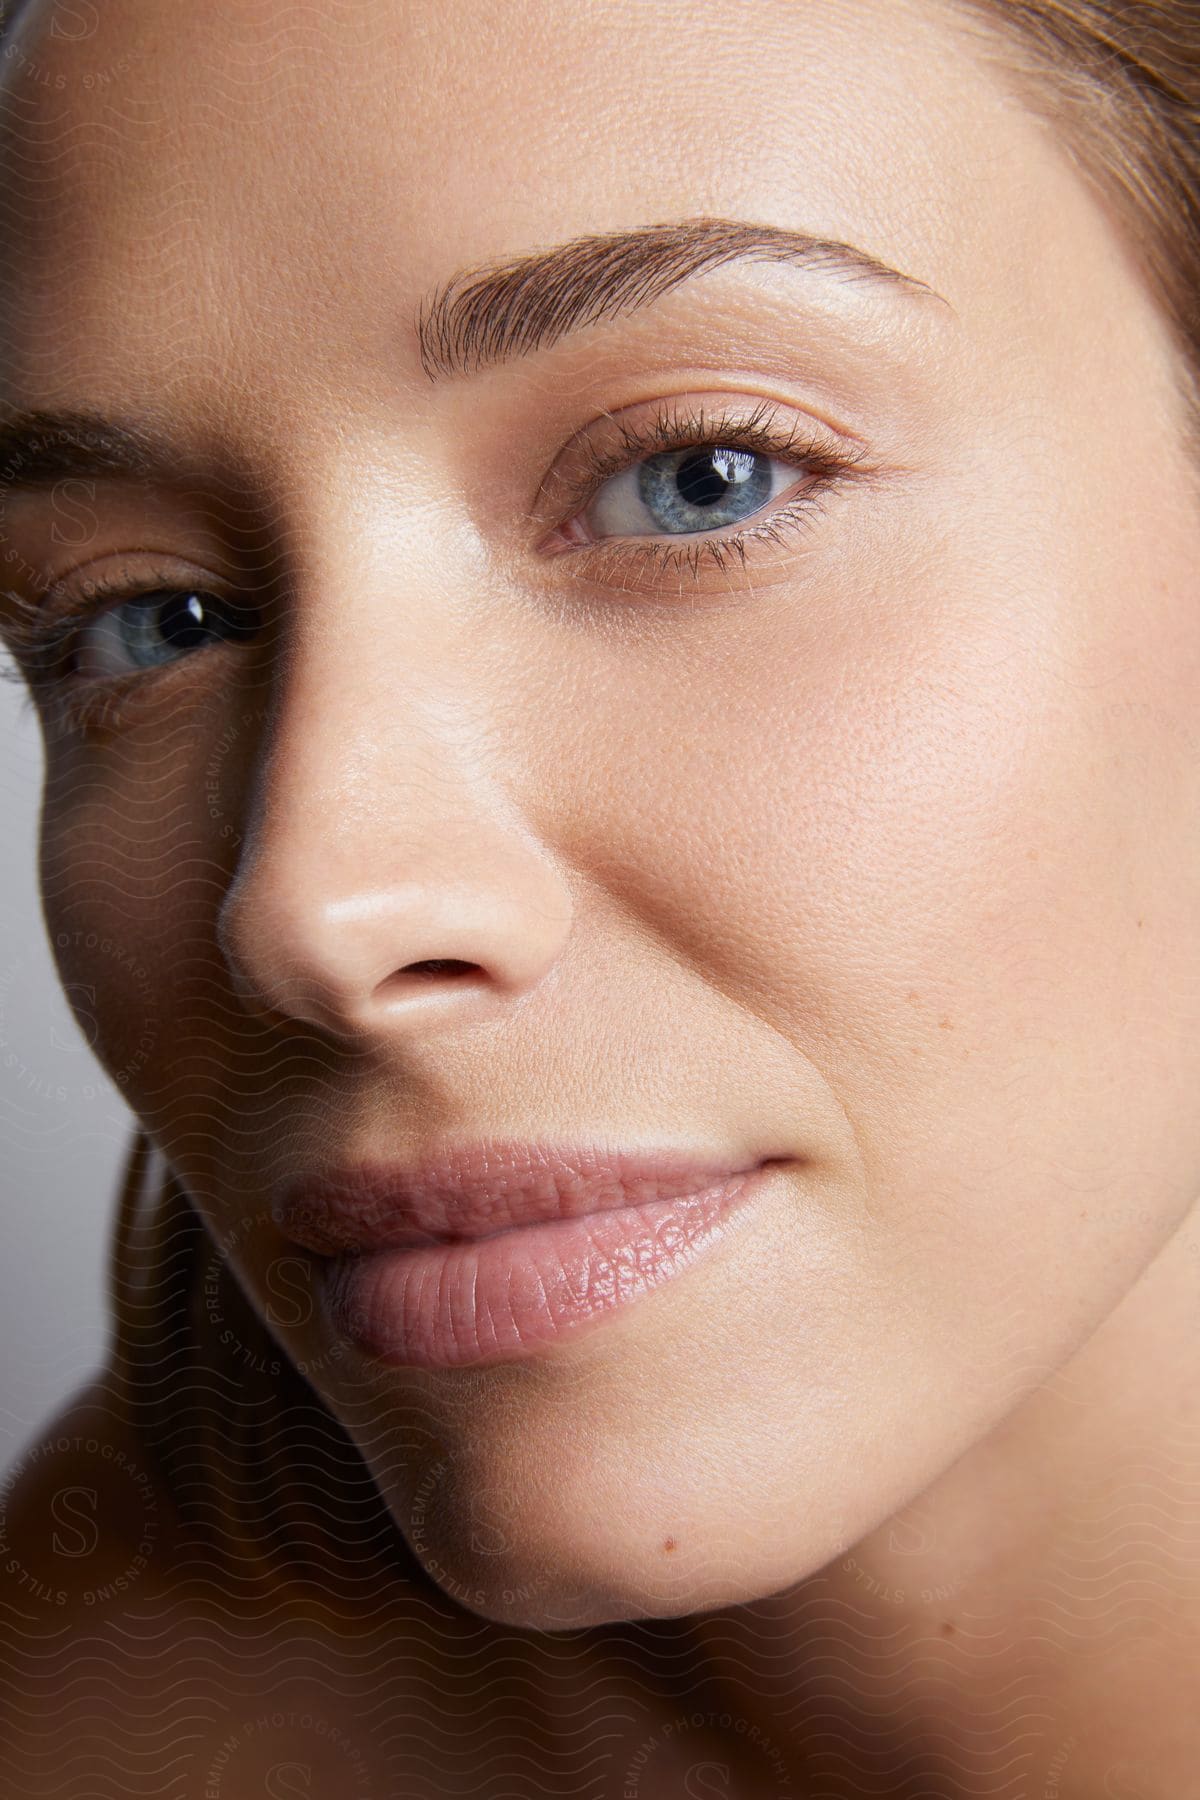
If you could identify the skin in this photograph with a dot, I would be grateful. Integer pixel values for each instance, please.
(896, 824)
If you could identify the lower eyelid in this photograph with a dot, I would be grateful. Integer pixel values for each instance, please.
(83, 702)
(807, 485)
(635, 565)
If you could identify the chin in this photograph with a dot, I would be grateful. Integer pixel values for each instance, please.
(548, 1599)
(558, 1554)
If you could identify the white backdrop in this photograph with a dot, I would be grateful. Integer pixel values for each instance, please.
(64, 1130)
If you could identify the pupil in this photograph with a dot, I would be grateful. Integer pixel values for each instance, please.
(704, 477)
(699, 481)
(182, 623)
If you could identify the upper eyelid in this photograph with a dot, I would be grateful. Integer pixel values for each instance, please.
(705, 409)
(161, 569)
(734, 412)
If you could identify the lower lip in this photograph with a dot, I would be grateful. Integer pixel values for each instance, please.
(501, 1298)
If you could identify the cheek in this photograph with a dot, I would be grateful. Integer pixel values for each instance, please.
(132, 863)
(940, 835)
(970, 895)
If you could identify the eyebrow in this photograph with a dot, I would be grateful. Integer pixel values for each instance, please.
(492, 313)
(480, 317)
(40, 448)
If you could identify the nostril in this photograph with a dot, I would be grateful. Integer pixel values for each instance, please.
(418, 979)
(437, 965)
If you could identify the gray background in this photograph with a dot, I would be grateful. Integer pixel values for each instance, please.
(64, 1131)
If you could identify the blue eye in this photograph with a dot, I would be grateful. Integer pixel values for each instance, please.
(156, 628)
(701, 488)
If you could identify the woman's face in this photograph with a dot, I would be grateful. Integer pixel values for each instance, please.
(856, 830)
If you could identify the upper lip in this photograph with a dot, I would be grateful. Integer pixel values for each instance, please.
(475, 1190)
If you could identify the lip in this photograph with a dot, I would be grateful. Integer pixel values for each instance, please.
(494, 1251)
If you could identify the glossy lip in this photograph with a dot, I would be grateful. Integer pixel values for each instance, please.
(494, 1251)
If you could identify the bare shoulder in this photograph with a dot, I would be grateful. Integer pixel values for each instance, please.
(85, 1532)
(132, 1654)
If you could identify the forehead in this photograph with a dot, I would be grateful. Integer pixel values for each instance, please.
(318, 172)
(463, 112)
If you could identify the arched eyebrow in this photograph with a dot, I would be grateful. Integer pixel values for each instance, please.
(491, 314)
(479, 318)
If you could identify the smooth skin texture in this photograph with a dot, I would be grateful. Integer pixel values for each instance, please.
(879, 851)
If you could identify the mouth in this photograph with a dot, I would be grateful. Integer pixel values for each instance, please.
(496, 1251)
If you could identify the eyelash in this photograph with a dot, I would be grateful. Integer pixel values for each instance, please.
(81, 705)
(45, 647)
(681, 428)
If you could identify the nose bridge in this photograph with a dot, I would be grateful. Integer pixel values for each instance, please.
(387, 877)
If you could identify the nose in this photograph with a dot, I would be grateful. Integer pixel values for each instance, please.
(386, 882)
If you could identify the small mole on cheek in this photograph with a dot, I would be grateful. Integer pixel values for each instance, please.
(669, 1544)
(948, 1628)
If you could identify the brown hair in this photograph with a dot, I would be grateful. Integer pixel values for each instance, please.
(1118, 81)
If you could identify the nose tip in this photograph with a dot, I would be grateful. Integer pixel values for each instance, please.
(424, 953)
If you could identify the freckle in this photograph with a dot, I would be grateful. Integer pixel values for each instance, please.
(1032, 855)
(946, 1024)
(670, 1544)
(912, 994)
(1141, 922)
(948, 1628)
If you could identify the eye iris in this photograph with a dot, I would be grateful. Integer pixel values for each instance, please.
(701, 489)
(159, 627)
